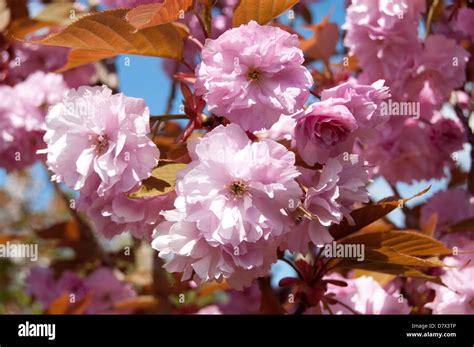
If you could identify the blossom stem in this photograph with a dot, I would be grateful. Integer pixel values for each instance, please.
(168, 117)
(429, 18)
(202, 24)
(314, 93)
(289, 262)
(470, 137)
(196, 41)
(326, 306)
(345, 306)
(185, 63)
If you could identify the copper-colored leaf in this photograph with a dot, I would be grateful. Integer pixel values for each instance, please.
(212, 287)
(63, 305)
(390, 256)
(22, 27)
(381, 278)
(4, 238)
(72, 230)
(322, 45)
(142, 303)
(464, 225)
(269, 303)
(67, 232)
(146, 16)
(59, 305)
(261, 11)
(162, 181)
(394, 269)
(379, 225)
(5, 15)
(109, 32)
(406, 242)
(369, 214)
(429, 227)
(60, 13)
(78, 57)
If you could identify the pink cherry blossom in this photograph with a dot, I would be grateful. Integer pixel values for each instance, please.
(458, 296)
(363, 101)
(116, 214)
(230, 210)
(21, 131)
(382, 35)
(365, 296)
(325, 129)
(102, 285)
(432, 73)
(332, 193)
(464, 20)
(246, 301)
(281, 130)
(447, 135)
(94, 136)
(106, 290)
(42, 89)
(41, 284)
(405, 151)
(252, 75)
(22, 110)
(208, 310)
(30, 58)
(461, 207)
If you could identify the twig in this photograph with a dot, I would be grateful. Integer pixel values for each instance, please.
(314, 93)
(465, 122)
(293, 266)
(470, 137)
(168, 117)
(185, 63)
(196, 42)
(345, 306)
(326, 306)
(202, 24)
(169, 104)
(429, 18)
(160, 285)
(85, 230)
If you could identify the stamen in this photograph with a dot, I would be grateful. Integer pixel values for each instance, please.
(238, 188)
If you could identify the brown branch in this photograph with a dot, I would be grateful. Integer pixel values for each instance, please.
(86, 233)
(470, 137)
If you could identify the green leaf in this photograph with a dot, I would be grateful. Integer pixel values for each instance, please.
(161, 181)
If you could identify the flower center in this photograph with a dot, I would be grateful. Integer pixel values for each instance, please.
(471, 303)
(101, 143)
(238, 188)
(253, 74)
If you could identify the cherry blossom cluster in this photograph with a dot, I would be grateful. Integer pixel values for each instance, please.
(272, 164)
